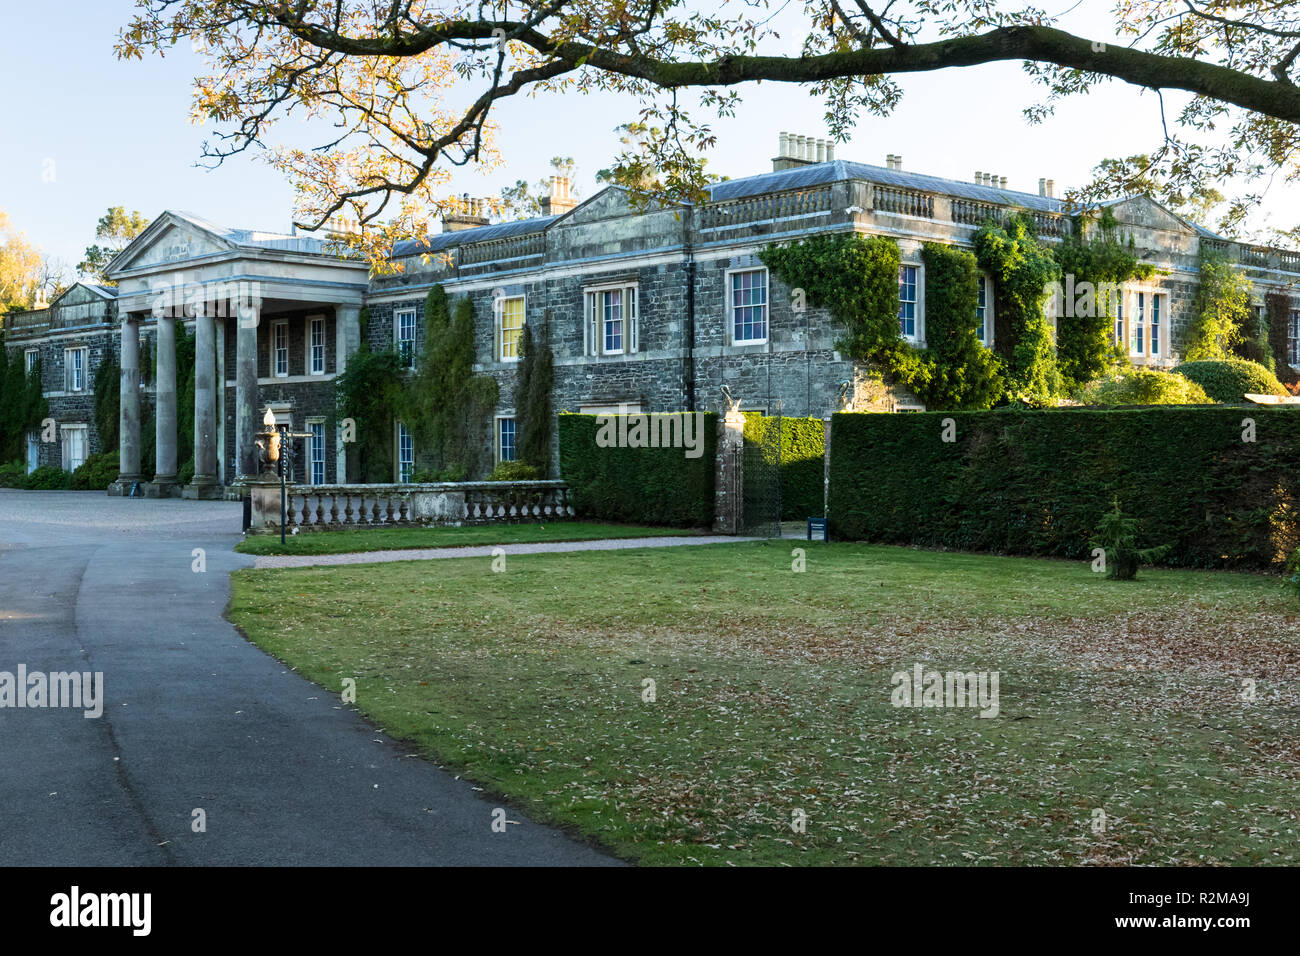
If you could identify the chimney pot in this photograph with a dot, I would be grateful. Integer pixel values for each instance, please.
(1042, 186)
(1051, 188)
(830, 151)
(821, 150)
(783, 146)
(979, 177)
(1003, 181)
(898, 161)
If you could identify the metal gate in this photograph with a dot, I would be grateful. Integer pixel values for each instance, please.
(761, 475)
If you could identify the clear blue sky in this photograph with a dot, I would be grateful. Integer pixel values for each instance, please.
(118, 133)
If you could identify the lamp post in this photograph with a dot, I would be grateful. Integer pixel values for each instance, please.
(277, 450)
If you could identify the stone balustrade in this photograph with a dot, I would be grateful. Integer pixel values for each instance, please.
(339, 507)
(781, 205)
(904, 202)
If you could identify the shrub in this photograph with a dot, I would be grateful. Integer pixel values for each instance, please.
(1117, 539)
(96, 473)
(12, 474)
(1293, 572)
(803, 461)
(638, 485)
(515, 471)
(1035, 482)
(1228, 380)
(48, 478)
(1144, 386)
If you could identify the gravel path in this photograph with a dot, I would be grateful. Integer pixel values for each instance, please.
(485, 551)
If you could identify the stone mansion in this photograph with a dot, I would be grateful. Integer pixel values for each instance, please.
(655, 309)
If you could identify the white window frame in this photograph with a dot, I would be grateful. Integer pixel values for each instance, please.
(315, 446)
(399, 430)
(65, 433)
(30, 356)
(986, 286)
(731, 306)
(498, 321)
(514, 436)
(69, 363)
(398, 317)
(276, 327)
(1157, 322)
(918, 336)
(593, 329)
(314, 322)
(1138, 327)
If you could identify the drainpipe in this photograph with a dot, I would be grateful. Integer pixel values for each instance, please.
(688, 333)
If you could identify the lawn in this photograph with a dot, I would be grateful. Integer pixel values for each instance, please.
(772, 695)
(385, 539)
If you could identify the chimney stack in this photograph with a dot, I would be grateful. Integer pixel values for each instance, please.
(1002, 182)
(794, 150)
(1051, 188)
(466, 213)
(561, 198)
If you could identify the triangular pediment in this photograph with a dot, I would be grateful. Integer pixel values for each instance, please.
(170, 238)
(79, 293)
(1145, 211)
(610, 203)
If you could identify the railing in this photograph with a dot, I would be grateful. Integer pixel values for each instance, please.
(971, 213)
(1254, 256)
(339, 507)
(905, 202)
(496, 250)
(1289, 260)
(782, 205)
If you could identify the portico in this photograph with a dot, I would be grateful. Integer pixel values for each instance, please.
(247, 298)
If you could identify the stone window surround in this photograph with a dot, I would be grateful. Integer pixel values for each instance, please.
(593, 337)
(986, 283)
(730, 305)
(398, 316)
(1128, 311)
(69, 387)
(507, 416)
(66, 430)
(273, 363)
(498, 322)
(919, 265)
(312, 448)
(311, 321)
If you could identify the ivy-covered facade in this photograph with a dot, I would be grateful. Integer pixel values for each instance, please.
(645, 309)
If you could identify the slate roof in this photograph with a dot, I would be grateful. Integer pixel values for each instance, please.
(504, 230)
(836, 170)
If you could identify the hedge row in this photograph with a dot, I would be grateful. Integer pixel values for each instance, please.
(638, 485)
(803, 457)
(1036, 482)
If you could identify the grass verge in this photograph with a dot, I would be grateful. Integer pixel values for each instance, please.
(1123, 703)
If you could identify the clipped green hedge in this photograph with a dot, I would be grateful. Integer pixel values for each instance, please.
(803, 461)
(638, 485)
(1229, 379)
(1037, 482)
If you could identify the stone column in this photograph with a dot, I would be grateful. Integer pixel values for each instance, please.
(128, 414)
(247, 418)
(165, 406)
(205, 401)
(347, 339)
